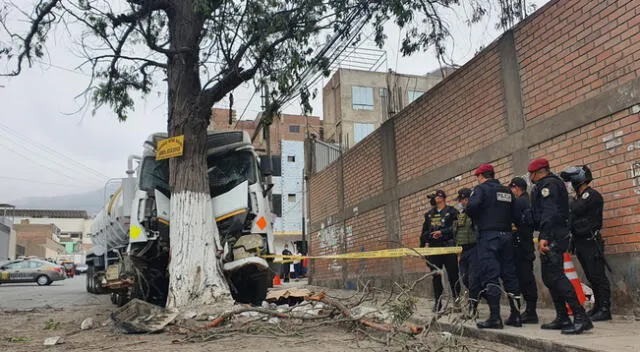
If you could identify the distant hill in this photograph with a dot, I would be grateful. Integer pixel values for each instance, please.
(92, 202)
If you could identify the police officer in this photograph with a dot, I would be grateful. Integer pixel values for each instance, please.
(550, 208)
(466, 237)
(492, 210)
(585, 224)
(437, 231)
(524, 251)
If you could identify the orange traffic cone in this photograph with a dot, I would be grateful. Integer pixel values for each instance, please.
(276, 280)
(572, 275)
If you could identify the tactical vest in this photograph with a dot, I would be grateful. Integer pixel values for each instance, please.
(465, 234)
(497, 205)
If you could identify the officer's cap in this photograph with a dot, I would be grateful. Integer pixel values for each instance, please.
(538, 164)
(482, 169)
(518, 182)
(440, 193)
(464, 193)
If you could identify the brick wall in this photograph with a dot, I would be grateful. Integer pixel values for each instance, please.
(573, 50)
(564, 85)
(363, 170)
(463, 114)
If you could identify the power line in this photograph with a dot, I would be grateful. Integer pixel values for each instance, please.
(37, 181)
(42, 165)
(43, 147)
(245, 108)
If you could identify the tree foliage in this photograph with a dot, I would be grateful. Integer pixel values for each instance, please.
(130, 45)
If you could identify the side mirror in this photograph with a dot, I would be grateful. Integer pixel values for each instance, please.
(267, 189)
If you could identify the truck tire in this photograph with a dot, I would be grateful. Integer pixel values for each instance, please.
(251, 286)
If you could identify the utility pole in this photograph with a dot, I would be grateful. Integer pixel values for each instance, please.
(268, 117)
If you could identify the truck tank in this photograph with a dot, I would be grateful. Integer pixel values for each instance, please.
(110, 227)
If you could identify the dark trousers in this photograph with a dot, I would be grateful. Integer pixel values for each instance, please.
(450, 263)
(523, 259)
(495, 256)
(285, 271)
(468, 271)
(553, 276)
(593, 265)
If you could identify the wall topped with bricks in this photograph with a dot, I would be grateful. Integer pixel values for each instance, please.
(564, 84)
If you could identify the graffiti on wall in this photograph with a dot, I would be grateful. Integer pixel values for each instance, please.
(635, 176)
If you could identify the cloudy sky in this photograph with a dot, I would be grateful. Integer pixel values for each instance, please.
(48, 149)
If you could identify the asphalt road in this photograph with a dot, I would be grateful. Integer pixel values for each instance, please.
(60, 294)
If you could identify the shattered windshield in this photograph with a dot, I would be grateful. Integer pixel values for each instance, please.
(155, 175)
(230, 170)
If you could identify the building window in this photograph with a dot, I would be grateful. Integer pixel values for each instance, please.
(291, 197)
(383, 92)
(294, 128)
(413, 95)
(361, 130)
(276, 204)
(362, 98)
(291, 158)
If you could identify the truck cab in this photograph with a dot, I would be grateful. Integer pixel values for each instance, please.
(241, 208)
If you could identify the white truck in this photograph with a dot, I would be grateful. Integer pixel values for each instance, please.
(131, 248)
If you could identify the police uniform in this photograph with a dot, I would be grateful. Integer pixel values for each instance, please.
(491, 208)
(524, 251)
(466, 237)
(586, 222)
(550, 208)
(441, 220)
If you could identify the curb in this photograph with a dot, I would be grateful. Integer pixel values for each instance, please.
(516, 341)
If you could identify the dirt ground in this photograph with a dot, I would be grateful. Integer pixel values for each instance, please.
(26, 330)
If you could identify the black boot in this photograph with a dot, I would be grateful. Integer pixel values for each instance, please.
(514, 318)
(602, 314)
(530, 316)
(581, 323)
(494, 321)
(562, 319)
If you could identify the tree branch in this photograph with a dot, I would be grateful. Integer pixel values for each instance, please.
(35, 29)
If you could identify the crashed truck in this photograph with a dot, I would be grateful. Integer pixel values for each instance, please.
(131, 247)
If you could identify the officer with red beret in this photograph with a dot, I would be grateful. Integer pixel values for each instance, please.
(491, 207)
(550, 210)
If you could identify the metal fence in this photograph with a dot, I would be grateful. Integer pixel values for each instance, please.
(322, 154)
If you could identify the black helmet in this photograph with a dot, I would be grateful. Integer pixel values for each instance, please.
(577, 175)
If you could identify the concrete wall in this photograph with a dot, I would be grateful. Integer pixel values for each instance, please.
(564, 84)
(66, 225)
(5, 241)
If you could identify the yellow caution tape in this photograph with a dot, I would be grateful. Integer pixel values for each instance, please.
(384, 253)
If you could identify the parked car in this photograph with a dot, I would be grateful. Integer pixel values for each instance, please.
(31, 270)
(81, 269)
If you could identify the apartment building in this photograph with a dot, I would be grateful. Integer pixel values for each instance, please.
(357, 102)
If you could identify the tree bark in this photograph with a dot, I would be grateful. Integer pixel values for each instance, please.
(195, 275)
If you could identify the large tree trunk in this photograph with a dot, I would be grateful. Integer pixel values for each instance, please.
(195, 274)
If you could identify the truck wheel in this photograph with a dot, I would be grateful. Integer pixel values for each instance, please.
(43, 280)
(251, 286)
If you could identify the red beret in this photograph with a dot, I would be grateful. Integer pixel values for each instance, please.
(538, 164)
(483, 168)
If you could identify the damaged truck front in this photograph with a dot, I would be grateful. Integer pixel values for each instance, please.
(131, 247)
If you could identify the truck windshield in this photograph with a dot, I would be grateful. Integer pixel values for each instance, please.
(155, 175)
(230, 170)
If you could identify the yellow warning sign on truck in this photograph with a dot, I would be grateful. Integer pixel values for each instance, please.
(170, 147)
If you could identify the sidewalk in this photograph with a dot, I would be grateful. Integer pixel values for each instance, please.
(622, 334)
